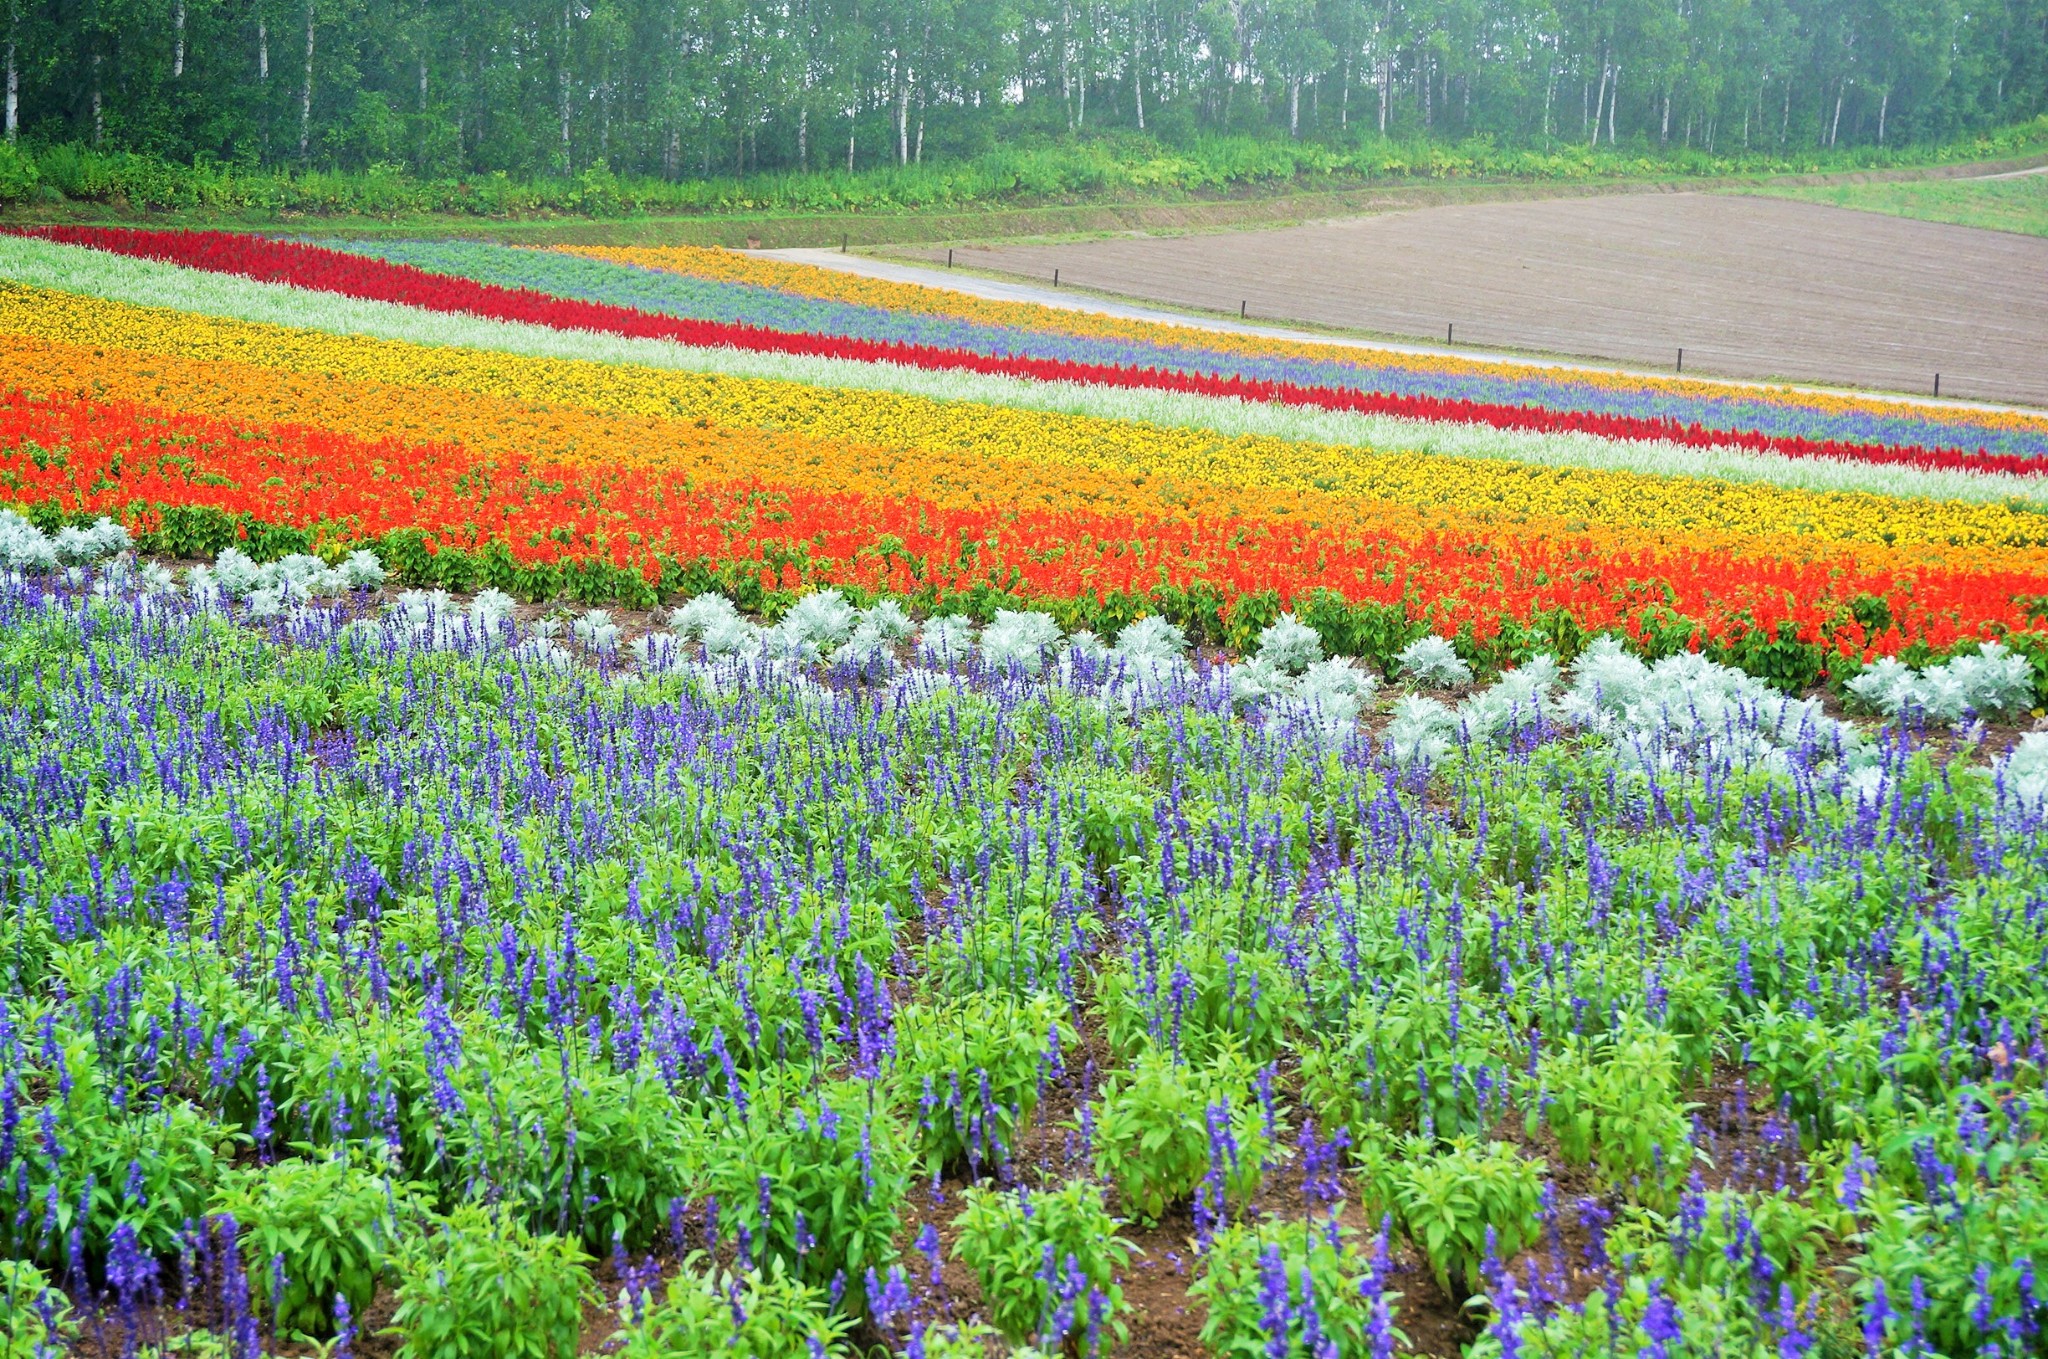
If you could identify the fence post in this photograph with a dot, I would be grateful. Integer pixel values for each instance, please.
(1681, 358)
(1240, 309)
(949, 259)
(1937, 384)
(1449, 331)
(1055, 278)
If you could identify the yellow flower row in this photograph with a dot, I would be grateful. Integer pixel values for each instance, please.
(1260, 476)
(809, 281)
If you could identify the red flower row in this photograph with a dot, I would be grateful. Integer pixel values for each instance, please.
(130, 460)
(334, 271)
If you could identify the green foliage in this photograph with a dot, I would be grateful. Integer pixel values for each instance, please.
(838, 1157)
(483, 1287)
(336, 1224)
(35, 1318)
(613, 1179)
(972, 1340)
(1396, 1062)
(1613, 1104)
(764, 1313)
(1639, 1317)
(1152, 1139)
(1235, 1275)
(178, 1149)
(19, 177)
(1004, 1236)
(948, 1053)
(1966, 1228)
(1240, 998)
(1449, 1199)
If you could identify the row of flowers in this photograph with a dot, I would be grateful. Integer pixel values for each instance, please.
(375, 279)
(35, 263)
(1006, 456)
(768, 285)
(545, 520)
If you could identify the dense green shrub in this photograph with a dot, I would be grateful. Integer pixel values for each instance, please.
(706, 1311)
(1154, 1139)
(482, 1287)
(1613, 1104)
(973, 1069)
(1027, 1249)
(1268, 1289)
(334, 1224)
(35, 1318)
(1455, 1201)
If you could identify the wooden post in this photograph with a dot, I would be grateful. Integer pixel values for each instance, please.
(1681, 358)
(1055, 278)
(1449, 331)
(1937, 384)
(1240, 309)
(949, 259)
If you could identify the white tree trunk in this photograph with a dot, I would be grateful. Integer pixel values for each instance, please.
(1138, 73)
(1067, 62)
(1613, 98)
(803, 139)
(1294, 108)
(1835, 128)
(903, 122)
(1599, 102)
(13, 91)
(178, 40)
(562, 88)
(99, 117)
(306, 90)
(262, 48)
(1884, 104)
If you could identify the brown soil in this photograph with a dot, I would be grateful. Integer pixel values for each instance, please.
(1749, 287)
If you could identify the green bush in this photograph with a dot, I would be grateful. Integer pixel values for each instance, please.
(19, 177)
(170, 1156)
(1152, 1136)
(1613, 1104)
(765, 1313)
(483, 1287)
(1004, 1236)
(1449, 1199)
(1245, 1262)
(951, 1046)
(612, 1180)
(34, 1317)
(836, 1157)
(335, 1223)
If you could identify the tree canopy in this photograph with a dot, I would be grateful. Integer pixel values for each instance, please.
(683, 88)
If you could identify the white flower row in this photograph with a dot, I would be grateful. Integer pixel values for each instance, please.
(1682, 712)
(24, 547)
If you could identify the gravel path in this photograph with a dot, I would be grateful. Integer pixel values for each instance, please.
(1752, 288)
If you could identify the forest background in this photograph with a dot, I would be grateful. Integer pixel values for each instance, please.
(603, 107)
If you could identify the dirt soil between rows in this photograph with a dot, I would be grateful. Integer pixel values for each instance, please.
(1748, 287)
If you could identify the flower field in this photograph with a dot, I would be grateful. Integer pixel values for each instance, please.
(664, 802)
